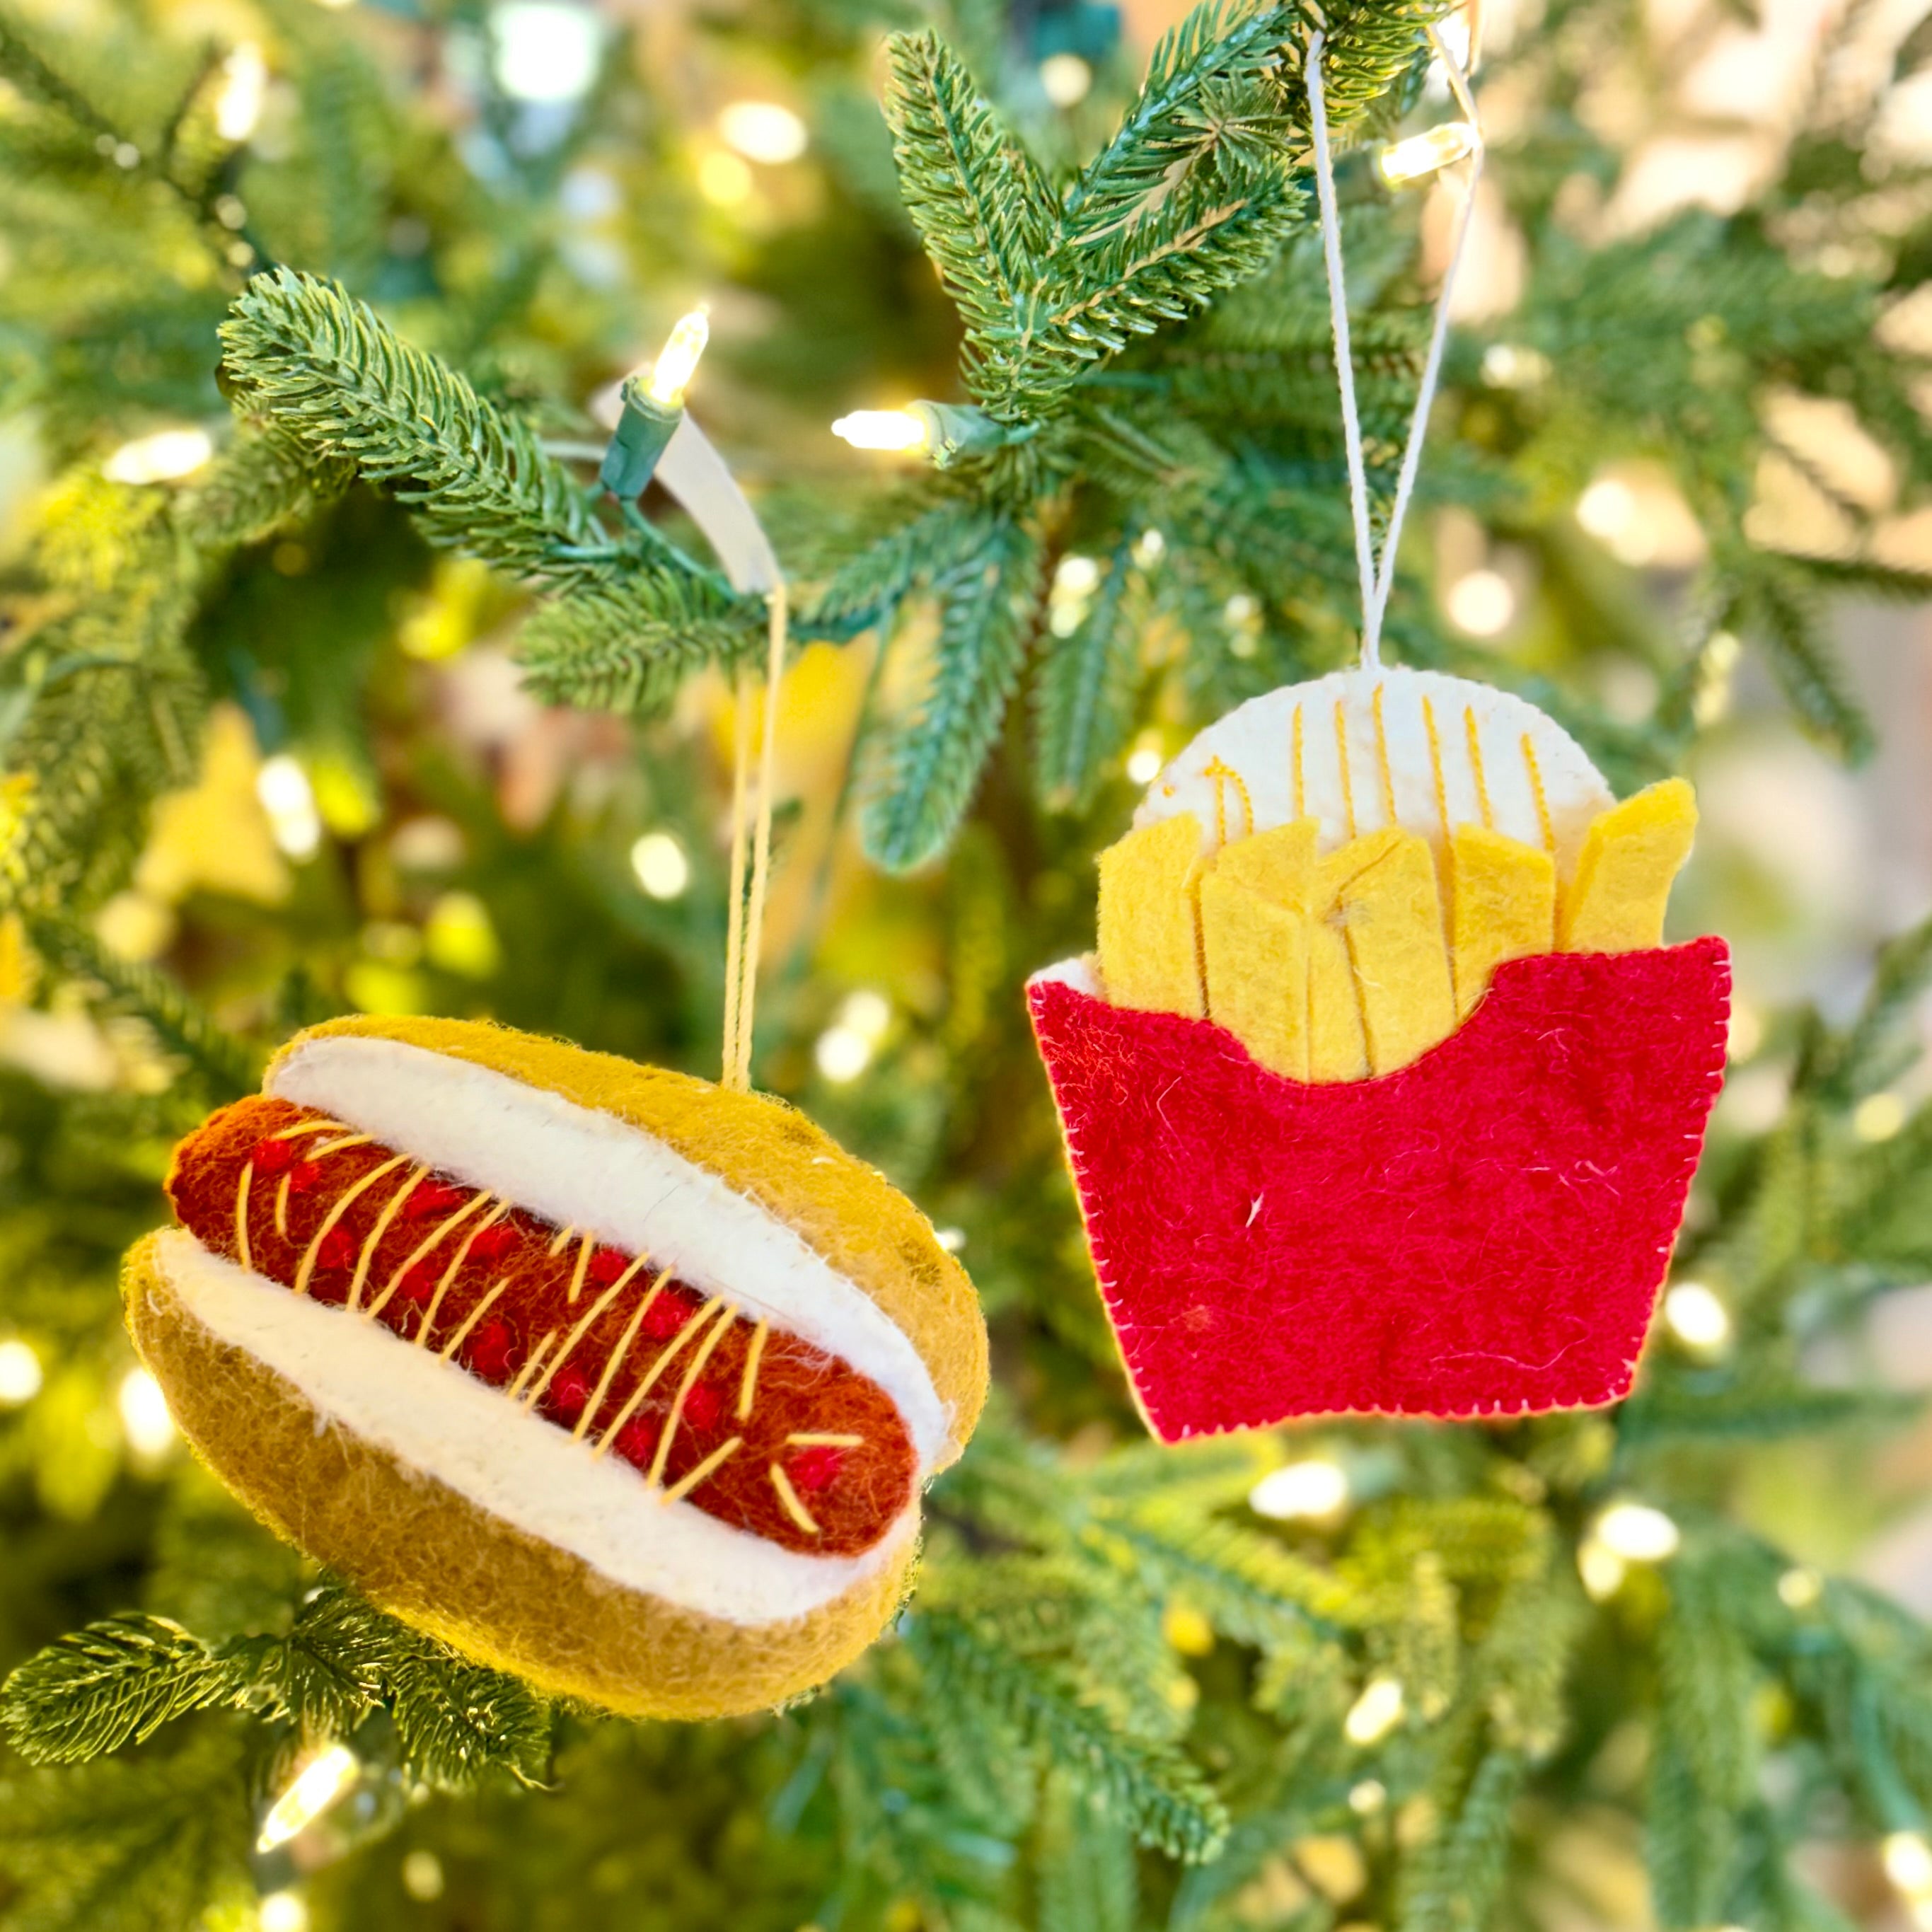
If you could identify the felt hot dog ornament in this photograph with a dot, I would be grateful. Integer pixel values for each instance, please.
(607, 1375)
(1382, 1093)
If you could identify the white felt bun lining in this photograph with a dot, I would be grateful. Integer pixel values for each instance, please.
(1257, 740)
(580, 1168)
(513, 1464)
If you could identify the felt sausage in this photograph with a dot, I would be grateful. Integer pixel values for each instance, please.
(605, 1374)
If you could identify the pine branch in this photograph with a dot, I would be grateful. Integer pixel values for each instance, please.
(113, 1683)
(867, 585)
(1782, 611)
(225, 1066)
(323, 370)
(983, 209)
(1165, 1799)
(23, 64)
(1084, 690)
(932, 762)
(1455, 1882)
(258, 485)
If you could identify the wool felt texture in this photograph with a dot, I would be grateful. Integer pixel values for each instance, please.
(1380, 889)
(584, 1336)
(426, 1553)
(1148, 920)
(1358, 751)
(1254, 944)
(1482, 1232)
(452, 1535)
(1617, 900)
(762, 1148)
(1337, 1048)
(1502, 905)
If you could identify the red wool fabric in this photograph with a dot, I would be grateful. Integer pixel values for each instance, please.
(1484, 1232)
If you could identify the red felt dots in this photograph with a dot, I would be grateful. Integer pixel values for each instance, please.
(488, 1351)
(569, 1389)
(816, 1467)
(416, 1286)
(338, 1249)
(432, 1197)
(666, 1316)
(637, 1440)
(271, 1157)
(492, 1243)
(606, 1265)
(702, 1406)
(304, 1175)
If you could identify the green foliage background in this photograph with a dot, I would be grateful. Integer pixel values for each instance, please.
(1118, 1700)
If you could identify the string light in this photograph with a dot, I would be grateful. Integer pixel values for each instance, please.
(283, 1912)
(1421, 155)
(1637, 1533)
(149, 1428)
(245, 86)
(900, 432)
(1800, 1588)
(320, 1783)
(1908, 1863)
(1695, 1315)
(162, 458)
(1145, 760)
(1065, 79)
(1481, 603)
(1602, 1570)
(662, 868)
(545, 51)
(1313, 1487)
(20, 1374)
(289, 799)
(762, 130)
(1375, 1712)
(1878, 1117)
(671, 374)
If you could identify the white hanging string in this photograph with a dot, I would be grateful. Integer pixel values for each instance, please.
(1377, 579)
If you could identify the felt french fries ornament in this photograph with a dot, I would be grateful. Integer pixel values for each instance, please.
(607, 1375)
(1382, 1093)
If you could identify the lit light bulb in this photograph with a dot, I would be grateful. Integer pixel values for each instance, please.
(164, 456)
(1908, 1863)
(1695, 1316)
(762, 130)
(868, 1013)
(145, 1419)
(283, 1912)
(843, 1053)
(320, 1782)
(20, 1374)
(1602, 1570)
(1065, 79)
(900, 430)
(671, 374)
(1314, 1487)
(245, 86)
(1878, 1117)
(1145, 761)
(1607, 509)
(662, 868)
(545, 51)
(289, 799)
(1481, 603)
(1375, 1712)
(1424, 154)
(1799, 1589)
(1637, 1533)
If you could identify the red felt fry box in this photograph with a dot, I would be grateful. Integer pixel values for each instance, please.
(1482, 1232)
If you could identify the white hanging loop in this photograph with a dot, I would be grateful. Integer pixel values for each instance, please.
(1377, 579)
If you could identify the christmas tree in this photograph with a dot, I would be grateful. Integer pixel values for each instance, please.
(334, 680)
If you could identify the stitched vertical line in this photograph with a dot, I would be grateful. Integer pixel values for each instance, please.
(447, 1351)
(450, 1274)
(788, 1499)
(282, 1208)
(1436, 768)
(623, 1348)
(1535, 771)
(241, 1214)
(1382, 757)
(307, 1268)
(693, 1369)
(529, 1367)
(1300, 789)
(747, 1385)
(1476, 766)
(582, 1269)
(1342, 758)
(359, 1280)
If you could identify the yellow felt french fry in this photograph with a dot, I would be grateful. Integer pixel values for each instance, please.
(1385, 900)
(1150, 948)
(1502, 902)
(1630, 854)
(1254, 944)
(1337, 1049)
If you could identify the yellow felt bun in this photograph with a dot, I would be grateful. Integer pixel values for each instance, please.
(769, 1152)
(430, 1556)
